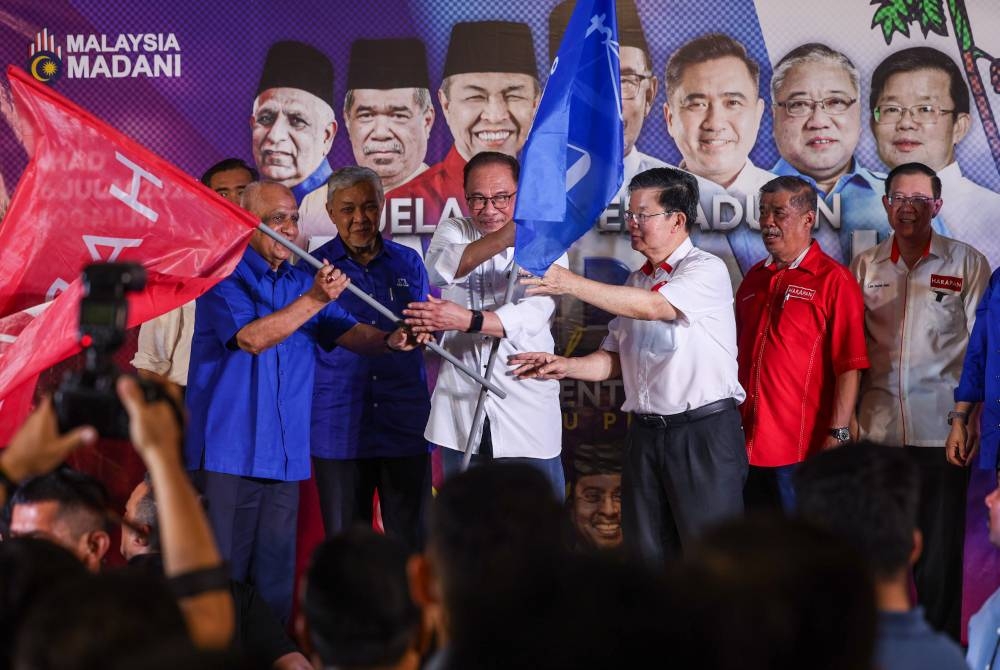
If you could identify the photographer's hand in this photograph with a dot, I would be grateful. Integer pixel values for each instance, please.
(38, 447)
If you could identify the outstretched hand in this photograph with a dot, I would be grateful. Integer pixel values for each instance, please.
(436, 314)
(539, 365)
(557, 281)
(39, 447)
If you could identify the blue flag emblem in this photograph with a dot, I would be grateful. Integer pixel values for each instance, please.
(571, 165)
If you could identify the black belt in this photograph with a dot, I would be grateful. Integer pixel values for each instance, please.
(690, 416)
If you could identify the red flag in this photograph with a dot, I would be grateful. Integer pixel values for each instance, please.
(91, 194)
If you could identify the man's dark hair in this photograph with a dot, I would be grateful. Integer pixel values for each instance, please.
(28, 567)
(357, 600)
(921, 58)
(678, 190)
(488, 527)
(225, 166)
(484, 158)
(77, 494)
(914, 168)
(804, 197)
(92, 620)
(805, 591)
(868, 494)
(705, 48)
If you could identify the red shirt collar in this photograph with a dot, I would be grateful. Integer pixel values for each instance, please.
(648, 269)
(894, 251)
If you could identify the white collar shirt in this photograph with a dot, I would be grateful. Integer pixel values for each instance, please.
(528, 422)
(969, 213)
(917, 324)
(674, 366)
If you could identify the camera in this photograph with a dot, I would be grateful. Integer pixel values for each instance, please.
(88, 396)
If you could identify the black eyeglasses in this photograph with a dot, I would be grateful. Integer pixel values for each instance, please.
(499, 201)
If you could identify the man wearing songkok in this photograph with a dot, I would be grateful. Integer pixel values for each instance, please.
(292, 129)
(921, 290)
(488, 95)
(369, 412)
(799, 320)
(596, 494)
(674, 345)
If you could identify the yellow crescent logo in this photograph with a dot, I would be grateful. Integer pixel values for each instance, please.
(39, 60)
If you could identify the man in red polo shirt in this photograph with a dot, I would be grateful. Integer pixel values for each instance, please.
(800, 333)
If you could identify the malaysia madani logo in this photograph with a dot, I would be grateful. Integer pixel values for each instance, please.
(45, 58)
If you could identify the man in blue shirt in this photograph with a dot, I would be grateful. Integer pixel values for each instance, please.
(817, 125)
(869, 495)
(369, 413)
(249, 387)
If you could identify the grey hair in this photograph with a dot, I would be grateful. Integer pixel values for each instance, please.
(347, 177)
(145, 513)
(813, 52)
(421, 100)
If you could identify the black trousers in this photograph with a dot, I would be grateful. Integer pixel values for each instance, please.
(679, 478)
(938, 572)
(346, 488)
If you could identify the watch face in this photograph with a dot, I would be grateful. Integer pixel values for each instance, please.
(842, 434)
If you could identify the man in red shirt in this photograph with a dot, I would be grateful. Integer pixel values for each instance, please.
(800, 333)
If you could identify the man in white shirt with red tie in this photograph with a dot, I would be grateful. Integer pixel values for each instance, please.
(674, 345)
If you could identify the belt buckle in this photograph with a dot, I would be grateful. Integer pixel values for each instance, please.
(654, 420)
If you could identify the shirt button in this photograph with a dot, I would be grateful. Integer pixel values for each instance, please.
(374, 378)
(374, 404)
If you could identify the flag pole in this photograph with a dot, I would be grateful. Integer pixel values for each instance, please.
(478, 417)
(386, 312)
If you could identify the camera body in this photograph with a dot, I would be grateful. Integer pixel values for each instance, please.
(88, 396)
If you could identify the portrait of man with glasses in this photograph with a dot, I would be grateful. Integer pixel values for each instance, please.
(817, 125)
(919, 113)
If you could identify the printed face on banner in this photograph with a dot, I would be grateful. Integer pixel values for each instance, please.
(230, 183)
(931, 142)
(489, 111)
(635, 74)
(355, 211)
(821, 143)
(786, 229)
(597, 509)
(490, 181)
(275, 206)
(292, 131)
(714, 116)
(911, 206)
(389, 131)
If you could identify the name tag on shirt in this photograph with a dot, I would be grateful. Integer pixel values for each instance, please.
(946, 283)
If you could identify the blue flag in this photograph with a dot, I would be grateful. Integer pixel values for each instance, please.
(571, 165)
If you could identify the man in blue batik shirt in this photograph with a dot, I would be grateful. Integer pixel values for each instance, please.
(369, 413)
(817, 124)
(249, 394)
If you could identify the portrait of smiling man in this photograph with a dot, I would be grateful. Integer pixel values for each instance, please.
(713, 112)
(919, 107)
(387, 109)
(292, 129)
(817, 125)
(489, 93)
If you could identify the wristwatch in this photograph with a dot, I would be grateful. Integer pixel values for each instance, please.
(842, 434)
(964, 416)
(477, 322)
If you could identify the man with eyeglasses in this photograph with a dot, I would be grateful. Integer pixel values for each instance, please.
(369, 412)
(921, 290)
(673, 342)
(470, 259)
(608, 239)
(817, 125)
(249, 395)
(801, 345)
(920, 111)
(713, 112)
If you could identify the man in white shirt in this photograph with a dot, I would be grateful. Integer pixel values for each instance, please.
(920, 111)
(713, 112)
(470, 259)
(921, 290)
(674, 345)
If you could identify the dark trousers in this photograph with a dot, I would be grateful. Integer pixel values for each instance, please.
(254, 521)
(678, 479)
(938, 572)
(770, 488)
(346, 488)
